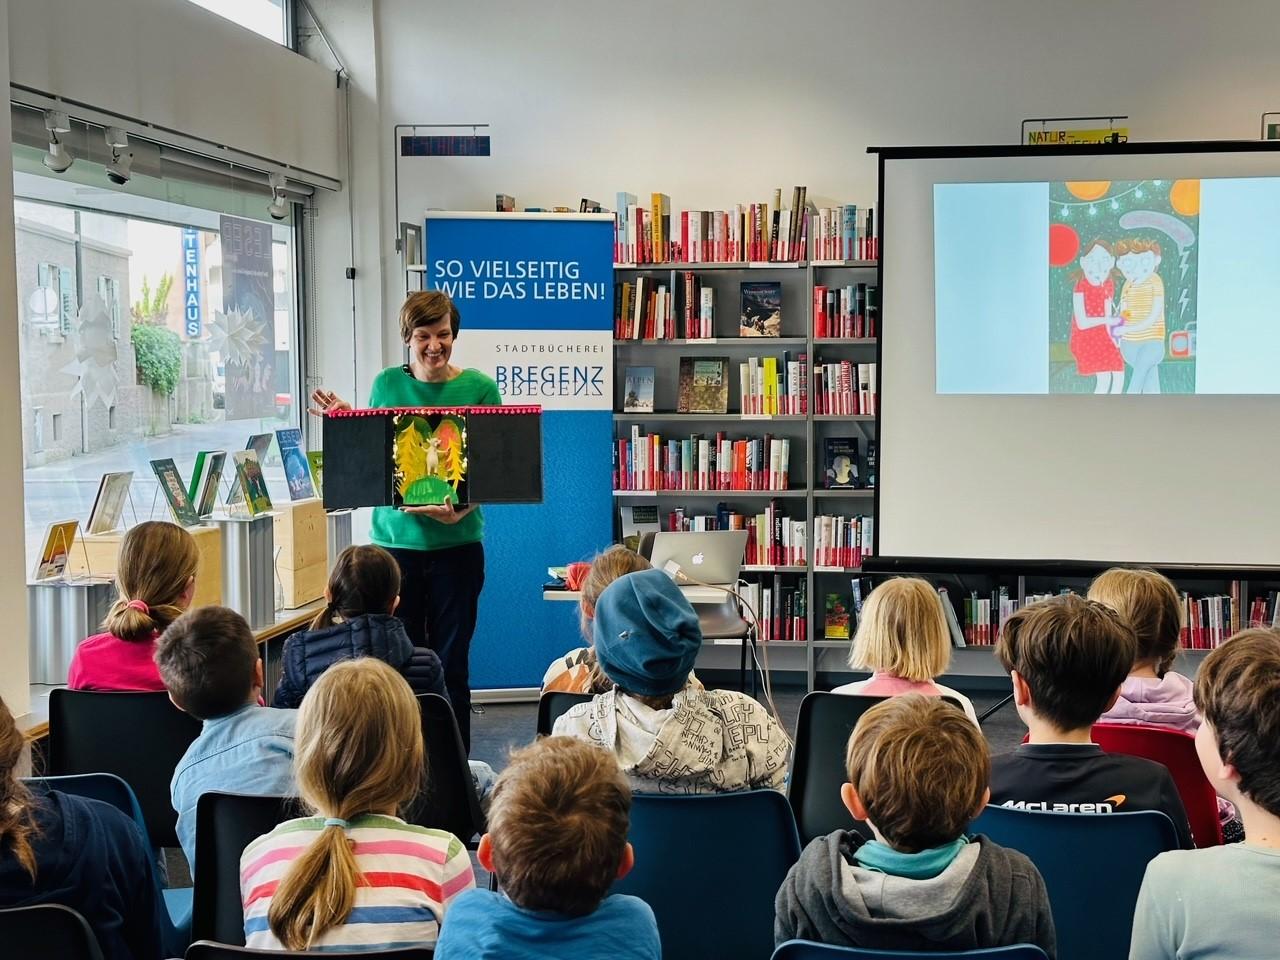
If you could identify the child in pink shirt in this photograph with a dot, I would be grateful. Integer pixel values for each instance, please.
(156, 578)
(903, 638)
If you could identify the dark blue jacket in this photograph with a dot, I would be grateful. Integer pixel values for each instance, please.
(309, 653)
(90, 857)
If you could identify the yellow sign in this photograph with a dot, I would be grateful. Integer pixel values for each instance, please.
(1044, 138)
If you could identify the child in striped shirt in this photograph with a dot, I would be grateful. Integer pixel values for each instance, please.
(354, 876)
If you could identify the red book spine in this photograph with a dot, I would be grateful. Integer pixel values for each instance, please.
(819, 311)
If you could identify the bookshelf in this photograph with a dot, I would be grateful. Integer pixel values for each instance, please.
(804, 497)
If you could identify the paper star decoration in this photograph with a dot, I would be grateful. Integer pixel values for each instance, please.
(95, 364)
(238, 336)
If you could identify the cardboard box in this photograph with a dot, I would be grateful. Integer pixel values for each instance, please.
(301, 534)
(102, 551)
(301, 586)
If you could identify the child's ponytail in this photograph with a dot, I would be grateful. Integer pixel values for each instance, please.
(157, 562)
(365, 579)
(319, 891)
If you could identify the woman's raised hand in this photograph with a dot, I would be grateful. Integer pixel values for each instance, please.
(324, 401)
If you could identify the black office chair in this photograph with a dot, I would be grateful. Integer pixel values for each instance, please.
(47, 930)
(817, 762)
(226, 823)
(140, 737)
(553, 705)
(448, 800)
(208, 950)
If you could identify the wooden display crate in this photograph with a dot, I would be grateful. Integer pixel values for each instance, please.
(304, 584)
(301, 534)
(103, 551)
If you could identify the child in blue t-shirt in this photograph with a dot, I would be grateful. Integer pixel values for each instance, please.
(554, 881)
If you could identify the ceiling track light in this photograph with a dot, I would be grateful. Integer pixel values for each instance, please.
(119, 168)
(278, 208)
(57, 158)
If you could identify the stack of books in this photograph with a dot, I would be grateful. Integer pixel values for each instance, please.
(771, 386)
(781, 609)
(839, 234)
(774, 540)
(648, 309)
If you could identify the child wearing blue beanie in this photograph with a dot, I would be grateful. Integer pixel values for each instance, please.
(670, 736)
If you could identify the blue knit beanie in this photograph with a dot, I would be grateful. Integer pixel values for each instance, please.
(646, 634)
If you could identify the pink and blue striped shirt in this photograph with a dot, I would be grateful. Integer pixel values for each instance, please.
(409, 875)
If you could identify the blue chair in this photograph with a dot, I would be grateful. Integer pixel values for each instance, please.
(47, 930)
(110, 789)
(710, 867)
(1092, 864)
(808, 950)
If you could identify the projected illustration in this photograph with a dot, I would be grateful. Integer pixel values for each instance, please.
(1122, 286)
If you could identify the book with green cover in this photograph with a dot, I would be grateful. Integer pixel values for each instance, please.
(250, 494)
(836, 622)
(704, 385)
(315, 460)
(206, 476)
(175, 492)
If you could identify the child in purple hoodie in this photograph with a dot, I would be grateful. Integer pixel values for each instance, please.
(1152, 694)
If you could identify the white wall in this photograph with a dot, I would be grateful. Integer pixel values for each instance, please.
(13, 576)
(722, 100)
(179, 67)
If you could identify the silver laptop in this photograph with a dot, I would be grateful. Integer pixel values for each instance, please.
(712, 556)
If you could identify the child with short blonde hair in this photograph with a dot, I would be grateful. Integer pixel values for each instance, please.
(903, 638)
(557, 841)
(917, 775)
(1220, 902)
(156, 579)
(354, 875)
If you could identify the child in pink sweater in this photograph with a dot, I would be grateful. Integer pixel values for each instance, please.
(156, 578)
(1153, 695)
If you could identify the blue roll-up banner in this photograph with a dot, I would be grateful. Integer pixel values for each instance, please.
(535, 292)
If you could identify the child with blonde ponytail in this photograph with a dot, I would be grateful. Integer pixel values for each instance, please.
(355, 875)
(156, 579)
(80, 853)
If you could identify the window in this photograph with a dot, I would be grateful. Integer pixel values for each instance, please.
(270, 18)
(151, 329)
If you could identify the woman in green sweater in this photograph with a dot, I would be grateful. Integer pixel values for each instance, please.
(438, 548)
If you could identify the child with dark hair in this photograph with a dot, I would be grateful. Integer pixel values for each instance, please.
(1220, 902)
(79, 853)
(210, 664)
(918, 771)
(357, 621)
(1067, 657)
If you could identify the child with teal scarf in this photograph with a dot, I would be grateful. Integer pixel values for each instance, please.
(918, 771)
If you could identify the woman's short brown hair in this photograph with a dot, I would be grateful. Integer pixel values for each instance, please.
(920, 767)
(1238, 693)
(1151, 605)
(425, 308)
(558, 822)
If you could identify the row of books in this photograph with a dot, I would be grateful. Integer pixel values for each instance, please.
(647, 309)
(1265, 611)
(767, 386)
(983, 616)
(1208, 621)
(781, 608)
(842, 541)
(754, 232)
(846, 388)
(648, 462)
(773, 539)
(849, 311)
